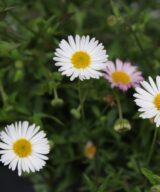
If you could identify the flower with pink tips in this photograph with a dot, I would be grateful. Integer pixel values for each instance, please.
(122, 75)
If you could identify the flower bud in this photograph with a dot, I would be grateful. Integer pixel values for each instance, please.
(112, 20)
(122, 125)
(155, 188)
(19, 64)
(90, 150)
(57, 102)
(76, 113)
(18, 75)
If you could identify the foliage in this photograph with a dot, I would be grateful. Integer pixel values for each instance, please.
(29, 82)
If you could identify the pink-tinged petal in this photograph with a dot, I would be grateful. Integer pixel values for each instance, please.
(119, 65)
(130, 69)
(110, 67)
(126, 67)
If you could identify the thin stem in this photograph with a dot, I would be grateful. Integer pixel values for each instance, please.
(119, 107)
(3, 94)
(152, 145)
(55, 93)
(68, 161)
(135, 36)
(81, 101)
(96, 170)
(138, 42)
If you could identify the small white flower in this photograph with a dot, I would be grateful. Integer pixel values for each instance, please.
(81, 57)
(23, 147)
(148, 99)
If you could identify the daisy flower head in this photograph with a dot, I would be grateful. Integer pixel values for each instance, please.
(81, 57)
(148, 99)
(24, 147)
(122, 75)
(90, 150)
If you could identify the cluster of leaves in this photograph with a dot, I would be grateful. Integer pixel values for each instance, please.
(29, 83)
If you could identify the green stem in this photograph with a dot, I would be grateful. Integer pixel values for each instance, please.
(152, 145)
(55, 93)
(119, 107)
(81, 101)
(138, 42)
(68, 161)
(3, 94)
(96, 170)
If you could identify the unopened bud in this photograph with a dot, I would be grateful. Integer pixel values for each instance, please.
(122, 125)
(155, 188)
(112, 20)
(57, 102)
(18, 75)
(76, 113)
(19, 64)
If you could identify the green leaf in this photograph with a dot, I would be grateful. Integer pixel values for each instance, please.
(153, 178)
(90, 183)
(6, 47)
(115, 8)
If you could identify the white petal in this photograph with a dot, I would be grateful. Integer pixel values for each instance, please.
(153, 85)
(148, 87)
(158, 82)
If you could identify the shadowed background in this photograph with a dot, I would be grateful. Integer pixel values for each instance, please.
(9, 181)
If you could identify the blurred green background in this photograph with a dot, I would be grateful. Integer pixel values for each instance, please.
(29, 83)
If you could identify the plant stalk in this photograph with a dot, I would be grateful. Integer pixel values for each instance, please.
(152, 145)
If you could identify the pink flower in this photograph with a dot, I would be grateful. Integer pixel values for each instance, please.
(122, 75)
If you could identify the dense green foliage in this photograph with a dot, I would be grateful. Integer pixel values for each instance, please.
(29, 33)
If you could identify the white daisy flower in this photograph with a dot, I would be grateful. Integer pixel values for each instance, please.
(81, 57)
(148, 99)
(23, 147)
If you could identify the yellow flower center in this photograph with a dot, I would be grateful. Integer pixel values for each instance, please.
(121, 77)
(90, 151)
(157, 101)
(22, 148)
(81, 59)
